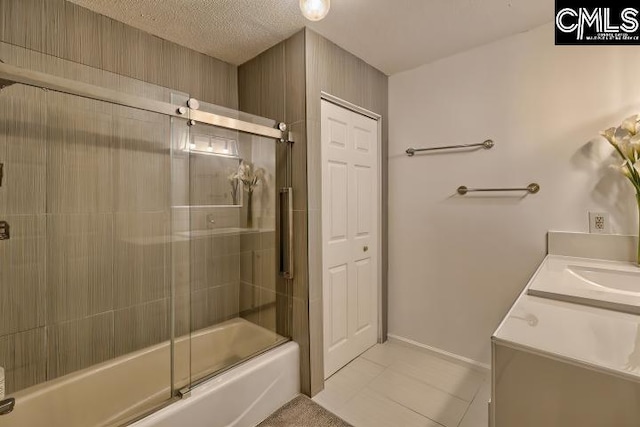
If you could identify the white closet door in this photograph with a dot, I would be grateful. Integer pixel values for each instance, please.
(350, 234)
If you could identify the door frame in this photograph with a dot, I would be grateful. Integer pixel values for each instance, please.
(324, 96)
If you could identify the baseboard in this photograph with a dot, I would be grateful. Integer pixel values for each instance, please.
(442, 353)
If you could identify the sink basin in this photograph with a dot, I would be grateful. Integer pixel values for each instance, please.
(627, 282)
(605, 284)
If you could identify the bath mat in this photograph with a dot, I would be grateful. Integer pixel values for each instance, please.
(303, 412)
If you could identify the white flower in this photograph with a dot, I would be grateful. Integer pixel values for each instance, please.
(622, 135)
(626, 140)
(609, 134)
(634, 145)
(250, 176)
(631, 124)
(623, 169)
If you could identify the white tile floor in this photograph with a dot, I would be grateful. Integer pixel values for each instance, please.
(395, 385)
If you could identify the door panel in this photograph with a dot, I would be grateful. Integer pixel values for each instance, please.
(337, 133)
(362, 139)
(337, 174)
(350, 234)
(338, 292)
(363, 281)
(364, 200)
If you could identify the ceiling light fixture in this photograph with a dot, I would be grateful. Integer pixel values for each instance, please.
(315, 10)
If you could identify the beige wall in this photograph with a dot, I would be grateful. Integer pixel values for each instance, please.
(333, 70)
(86, 274)
(456, 264)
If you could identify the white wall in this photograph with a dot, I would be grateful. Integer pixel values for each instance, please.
(457, 263)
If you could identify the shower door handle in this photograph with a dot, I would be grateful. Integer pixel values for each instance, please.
(4, 230)
(286, 232)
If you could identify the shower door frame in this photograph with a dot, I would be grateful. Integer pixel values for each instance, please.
(10, 74)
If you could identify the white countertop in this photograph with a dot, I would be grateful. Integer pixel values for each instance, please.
(599, 338)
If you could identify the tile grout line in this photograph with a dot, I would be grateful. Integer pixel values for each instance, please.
(405, 407)
(471, 403)
(344, 404)
(365, 385)
(475, 395)
(437, 387)
(390, 368)
(465, 414)
(467, 368)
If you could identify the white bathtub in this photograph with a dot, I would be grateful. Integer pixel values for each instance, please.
(116, 390)
(241, 397)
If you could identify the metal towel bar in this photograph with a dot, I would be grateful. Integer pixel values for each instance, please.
(486, 145)
(531, 188)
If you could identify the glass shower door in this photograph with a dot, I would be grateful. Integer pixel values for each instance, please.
(139, 246)
(239, 305)
(85, 254)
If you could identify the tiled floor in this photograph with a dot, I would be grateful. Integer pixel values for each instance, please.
(395, 385)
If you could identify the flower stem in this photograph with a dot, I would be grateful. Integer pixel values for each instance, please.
(638, 254)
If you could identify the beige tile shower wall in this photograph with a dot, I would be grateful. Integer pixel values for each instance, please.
(68, 31)
(273, 85)
(85, 276)
(331, 69)
(91, 262)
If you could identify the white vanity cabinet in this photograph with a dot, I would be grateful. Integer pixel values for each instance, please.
(557, 363)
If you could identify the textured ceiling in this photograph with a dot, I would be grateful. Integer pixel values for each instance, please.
(392, 35)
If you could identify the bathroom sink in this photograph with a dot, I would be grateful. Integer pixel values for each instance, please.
(606, 284)
(607, 279)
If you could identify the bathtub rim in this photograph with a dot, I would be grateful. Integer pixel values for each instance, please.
(186, 392)
(200, 391)
(40, 391)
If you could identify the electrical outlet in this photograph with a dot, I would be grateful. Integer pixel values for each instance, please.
(599, 223)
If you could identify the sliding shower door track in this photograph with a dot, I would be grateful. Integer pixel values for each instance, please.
(10, 74)
(186, 391)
